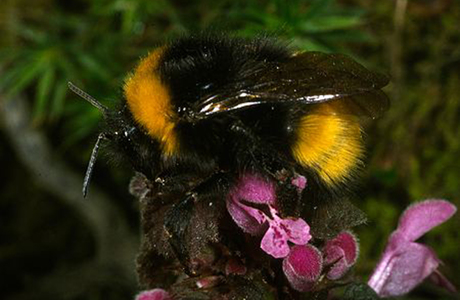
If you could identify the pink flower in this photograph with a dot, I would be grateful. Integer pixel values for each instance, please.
(302, 267)
(251, 204)
(340, 254)
(155, 294)
(405, 263)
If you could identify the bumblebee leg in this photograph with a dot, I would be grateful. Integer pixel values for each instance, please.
(176, 223)
(202, 205)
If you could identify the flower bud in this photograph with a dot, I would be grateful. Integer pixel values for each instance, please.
(302, 267)
(340, 253)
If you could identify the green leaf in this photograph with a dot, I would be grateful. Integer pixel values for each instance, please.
(330, 23)
(67, 67)
(309, 44)
(285, 9)
(12, 74)
(317, 8)
(93, 66)
(359, 291)
(251, 15)
(25, 77)
(8, 55)
(355, 36)
(81, 126)
(58, 99)
(45, 83)
(32, 34)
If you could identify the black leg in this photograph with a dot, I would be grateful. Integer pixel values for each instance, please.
(176, 223)
(210, 197)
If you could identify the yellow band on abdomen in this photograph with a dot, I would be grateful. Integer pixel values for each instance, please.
(329, 142)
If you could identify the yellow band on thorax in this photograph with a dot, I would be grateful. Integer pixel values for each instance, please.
(149, 101)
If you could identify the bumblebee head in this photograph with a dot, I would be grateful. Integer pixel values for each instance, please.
(123, 134)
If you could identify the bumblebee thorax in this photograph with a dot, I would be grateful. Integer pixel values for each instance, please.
(149, 102)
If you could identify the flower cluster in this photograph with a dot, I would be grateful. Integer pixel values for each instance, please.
(404, 264)
(252, 205)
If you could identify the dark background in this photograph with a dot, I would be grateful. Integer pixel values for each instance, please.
(56, 245)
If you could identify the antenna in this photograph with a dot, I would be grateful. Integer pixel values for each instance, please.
(92, 161)
(88, 98)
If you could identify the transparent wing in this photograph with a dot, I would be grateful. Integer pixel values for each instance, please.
(306, 78)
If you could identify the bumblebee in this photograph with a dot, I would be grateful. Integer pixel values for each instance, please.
(204, 109)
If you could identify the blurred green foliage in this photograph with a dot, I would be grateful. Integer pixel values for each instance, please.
(414, 149)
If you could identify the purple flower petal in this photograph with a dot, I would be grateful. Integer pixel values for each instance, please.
(251, 220)
(421, 217)
(399, 272)
(155, 294)
(297, 230)
(302, 267)
(274, 241)
(256, 189)
(334, 257)
(341, 251)
(348, 242)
